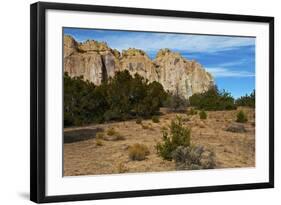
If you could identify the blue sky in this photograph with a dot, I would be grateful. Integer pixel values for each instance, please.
(230, 59)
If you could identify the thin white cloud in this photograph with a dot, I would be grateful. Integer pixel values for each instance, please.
(224, 72)
(232, 63)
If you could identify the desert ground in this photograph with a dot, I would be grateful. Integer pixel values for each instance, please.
(86, 155)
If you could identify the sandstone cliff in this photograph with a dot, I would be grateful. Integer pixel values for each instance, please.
(177, 74)
(96, 61)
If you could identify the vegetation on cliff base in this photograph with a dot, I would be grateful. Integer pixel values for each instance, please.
(247, 100)
(213, 99)
(119, 98)
(175, 102)
(124, 97)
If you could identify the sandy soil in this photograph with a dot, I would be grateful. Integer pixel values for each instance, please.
(83, 155)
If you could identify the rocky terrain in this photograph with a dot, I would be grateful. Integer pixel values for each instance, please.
(96, 61)
(85, 154)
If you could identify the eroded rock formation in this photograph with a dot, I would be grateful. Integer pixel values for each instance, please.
(95, 61)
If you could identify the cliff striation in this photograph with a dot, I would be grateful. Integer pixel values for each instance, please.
(96, 61)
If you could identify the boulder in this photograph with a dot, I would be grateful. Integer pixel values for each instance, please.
(236, 127)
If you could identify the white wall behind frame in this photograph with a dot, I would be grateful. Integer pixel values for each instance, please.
(14, 146)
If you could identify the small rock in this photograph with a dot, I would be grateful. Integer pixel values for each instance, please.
(236, 127)
(227, 150)
(125, 147)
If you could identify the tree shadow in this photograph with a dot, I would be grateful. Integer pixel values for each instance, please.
(80, 135)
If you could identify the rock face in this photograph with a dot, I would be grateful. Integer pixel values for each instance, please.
(95, 61)
(70, 46)
(136, 61)
(179, 75)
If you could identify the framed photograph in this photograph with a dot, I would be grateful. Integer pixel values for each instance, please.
(129, 102)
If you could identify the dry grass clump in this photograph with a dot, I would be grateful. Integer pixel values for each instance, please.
(121, 168)
(100, 135)
(111, 131)
(164, 128)
(138, 152)
(99, 142)
(113, 135)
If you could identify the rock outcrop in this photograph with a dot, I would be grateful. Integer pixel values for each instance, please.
(177, 74)
(95, 61)
(136, 61)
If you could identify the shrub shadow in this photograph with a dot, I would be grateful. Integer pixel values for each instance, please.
(80, 135)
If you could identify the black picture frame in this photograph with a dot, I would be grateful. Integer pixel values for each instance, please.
(38, 101)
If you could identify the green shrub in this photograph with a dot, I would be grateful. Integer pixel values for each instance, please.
(191, 111)
(155, 119)
(138, 152)
(83, 101)
(68, 118)
(139, 120)
(203, 115)
(112, 115)
(241, 117)
(193, 157)
(213, 99)
(247, 100)
(178, 136)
